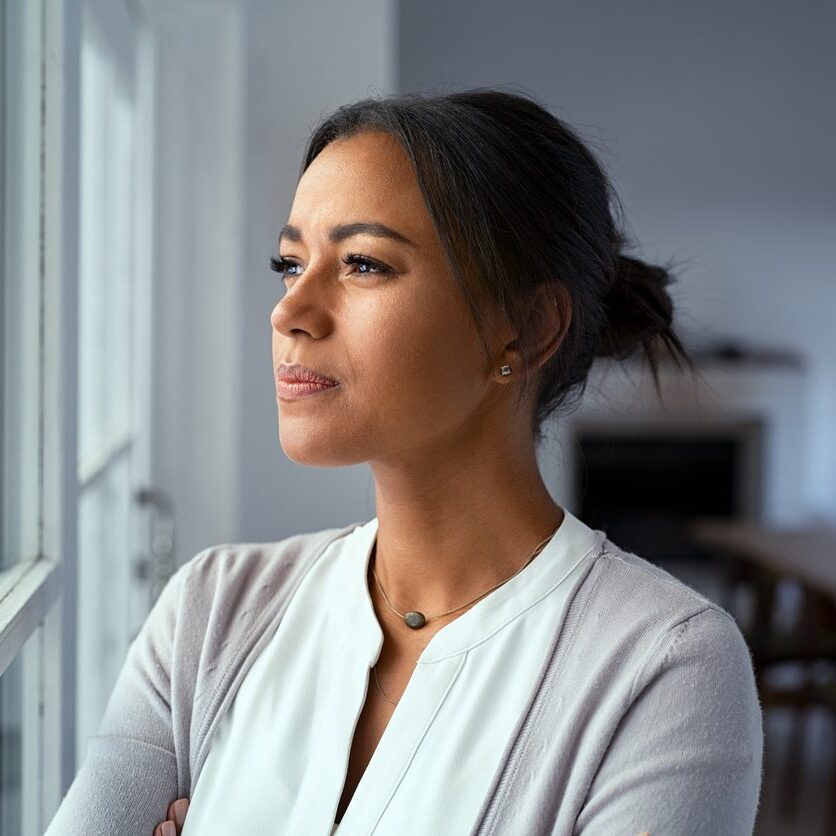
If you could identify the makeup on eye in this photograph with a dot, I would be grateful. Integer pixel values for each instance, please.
(373, 267)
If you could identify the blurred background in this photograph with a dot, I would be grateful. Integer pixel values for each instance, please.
(150, 152)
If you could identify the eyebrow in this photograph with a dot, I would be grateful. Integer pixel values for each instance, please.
(342, 231)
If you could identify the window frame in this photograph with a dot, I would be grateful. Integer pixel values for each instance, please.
(39, 592)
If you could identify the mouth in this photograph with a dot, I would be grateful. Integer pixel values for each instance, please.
(287, 390)
(297, 373)
(294, 382)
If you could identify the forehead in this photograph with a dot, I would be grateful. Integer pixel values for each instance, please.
(365, 177)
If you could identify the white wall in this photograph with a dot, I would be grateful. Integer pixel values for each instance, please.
(303, 60)
(717, 122)
(197, 265)
(240, 85)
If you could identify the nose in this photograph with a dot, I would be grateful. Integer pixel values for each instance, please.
(305, 307)
(276, 316)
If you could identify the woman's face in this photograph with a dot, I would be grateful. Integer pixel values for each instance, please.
(395, 332)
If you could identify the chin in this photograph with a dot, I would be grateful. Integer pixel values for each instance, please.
(315, 449)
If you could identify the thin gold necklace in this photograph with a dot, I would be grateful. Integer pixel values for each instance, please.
(415, 620)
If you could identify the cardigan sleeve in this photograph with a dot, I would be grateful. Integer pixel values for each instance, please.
(687, 754)
(129, 774)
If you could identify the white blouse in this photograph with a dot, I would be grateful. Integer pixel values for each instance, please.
(279, 756)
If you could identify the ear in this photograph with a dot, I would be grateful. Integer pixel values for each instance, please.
(548, 319)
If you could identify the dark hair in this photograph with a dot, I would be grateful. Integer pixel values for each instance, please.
(518, 201)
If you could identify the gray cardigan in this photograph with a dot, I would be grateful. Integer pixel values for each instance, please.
(645, 715)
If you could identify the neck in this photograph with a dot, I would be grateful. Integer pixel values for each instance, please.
(448, 533)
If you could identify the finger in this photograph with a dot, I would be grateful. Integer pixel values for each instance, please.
(179, 808)
(168, 828)
(170, 813)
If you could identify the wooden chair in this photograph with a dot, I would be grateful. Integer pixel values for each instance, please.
(811, 642)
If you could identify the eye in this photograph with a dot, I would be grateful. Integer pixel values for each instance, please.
(372, 266)
(365, 265)
(281, 266)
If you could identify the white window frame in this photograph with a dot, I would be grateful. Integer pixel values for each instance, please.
(39, 591)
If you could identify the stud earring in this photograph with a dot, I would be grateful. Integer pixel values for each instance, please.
(505, 369)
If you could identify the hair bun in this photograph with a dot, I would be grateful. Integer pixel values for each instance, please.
(637, 308)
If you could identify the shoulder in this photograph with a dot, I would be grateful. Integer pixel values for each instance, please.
(226, 591)
(632, 590)
(633, 585)
(223, 565)
(638, 617)
(668, 677)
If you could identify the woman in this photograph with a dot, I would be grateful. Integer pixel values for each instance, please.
(474, 659)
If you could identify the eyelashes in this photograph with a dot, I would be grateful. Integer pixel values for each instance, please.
(279, 265)
(373, 267)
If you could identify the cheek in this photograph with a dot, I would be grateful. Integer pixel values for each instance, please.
(426, 367)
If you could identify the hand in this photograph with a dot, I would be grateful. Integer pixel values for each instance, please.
(176, 816)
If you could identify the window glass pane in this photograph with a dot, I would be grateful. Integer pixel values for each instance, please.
(107, 423)
(21, 292)
(19, 746)
(105, 256)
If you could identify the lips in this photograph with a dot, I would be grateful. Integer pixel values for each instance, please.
(298, 373)
(297, 390)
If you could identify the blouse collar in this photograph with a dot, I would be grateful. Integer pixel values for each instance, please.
(573, 542)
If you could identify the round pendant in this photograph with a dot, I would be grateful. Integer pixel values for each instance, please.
(415, 620)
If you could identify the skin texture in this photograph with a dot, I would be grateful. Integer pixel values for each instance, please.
(459, 498)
